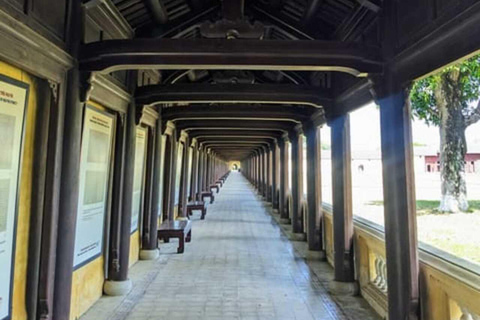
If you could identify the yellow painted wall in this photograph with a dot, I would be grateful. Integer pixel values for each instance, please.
(87, 282)
(87, 287)
(134, 248)
(25, 200)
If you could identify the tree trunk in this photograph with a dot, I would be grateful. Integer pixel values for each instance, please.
(453, 146)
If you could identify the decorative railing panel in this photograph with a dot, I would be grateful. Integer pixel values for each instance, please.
(449, 286)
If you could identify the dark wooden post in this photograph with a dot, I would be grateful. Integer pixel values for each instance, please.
(205, 170)
(255, 170)
(275, 165)
(201, 160)
(399, 203)
(70, 171)
(297, 182)
(268, 190)
(172, 174)
(284, 215)
(194, 176)
(153, 210)
(314, 196)
(344, 282)
(117, 282)
(262, 172)
(183, 199)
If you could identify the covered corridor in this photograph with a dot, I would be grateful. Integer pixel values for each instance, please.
(119, 117)
(239, 265)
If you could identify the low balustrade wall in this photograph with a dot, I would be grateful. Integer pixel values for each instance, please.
(449, 286)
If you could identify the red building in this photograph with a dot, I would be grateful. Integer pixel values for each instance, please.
(432, 162)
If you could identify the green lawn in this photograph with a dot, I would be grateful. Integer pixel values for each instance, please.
(430, 206)
(455, 233)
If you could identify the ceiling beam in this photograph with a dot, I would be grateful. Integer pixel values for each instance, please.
(238, 133)
(158, 11)
(295, 113)
(112, 55)
(233, 93)
(283, 126)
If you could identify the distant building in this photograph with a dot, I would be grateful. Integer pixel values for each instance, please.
(472, 161)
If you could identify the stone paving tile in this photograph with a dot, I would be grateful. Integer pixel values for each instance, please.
(239, 265)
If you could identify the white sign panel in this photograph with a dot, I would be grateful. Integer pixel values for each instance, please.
(138, 176)
(13, 99)
(94, 179)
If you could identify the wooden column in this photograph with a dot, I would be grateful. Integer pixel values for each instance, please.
(172, 174)
(194, 176)
(269, 175)
(399, 204)
(205, 171)
(297, 223)
(275, 165)
(342, 208)
(201, 180)
(265, 173)
(117, 279)
(282, 205)
(153, 210)
(183, 198)
(69, 189)
(314, 188)
(262, 173)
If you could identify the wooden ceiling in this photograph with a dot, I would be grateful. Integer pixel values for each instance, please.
(221, 102)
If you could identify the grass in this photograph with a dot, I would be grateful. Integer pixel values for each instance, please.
(453, 233)
(425, 207)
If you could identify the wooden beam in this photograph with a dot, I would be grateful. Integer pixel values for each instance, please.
(313, 55)
(253, 124)
(233, 93)
(295, 113)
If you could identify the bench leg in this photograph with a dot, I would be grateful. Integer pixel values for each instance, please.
(211, 199)
(166, 240)
(204, 213)
(189, 236)
(181, 246)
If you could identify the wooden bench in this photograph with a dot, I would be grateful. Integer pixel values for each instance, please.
(215, 186)
(176, 229)
(196, 205)
(220, 182)
(206, 194)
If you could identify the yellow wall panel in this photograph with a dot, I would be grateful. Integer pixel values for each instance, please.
(134, 248)
(87, 287)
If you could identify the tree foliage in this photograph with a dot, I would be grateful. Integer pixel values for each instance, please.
(467, 85)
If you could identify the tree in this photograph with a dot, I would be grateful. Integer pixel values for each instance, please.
(449, 100)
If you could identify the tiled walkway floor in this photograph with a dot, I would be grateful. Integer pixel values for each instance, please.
(239, 265)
